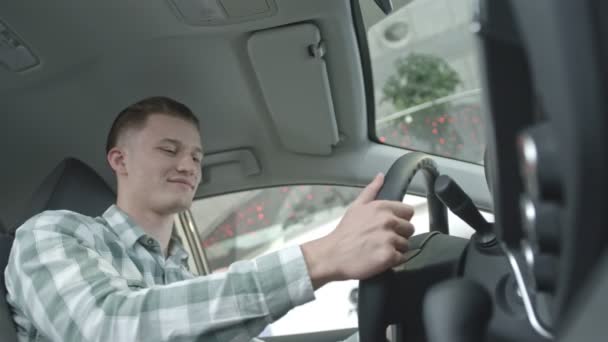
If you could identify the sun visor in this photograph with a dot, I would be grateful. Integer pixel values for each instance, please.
(290, 68)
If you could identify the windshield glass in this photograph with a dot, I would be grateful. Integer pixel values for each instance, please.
(426, 81)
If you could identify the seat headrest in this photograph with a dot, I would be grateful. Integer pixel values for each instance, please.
(74, 186)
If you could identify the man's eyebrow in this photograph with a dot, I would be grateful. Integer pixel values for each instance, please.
(171, 141)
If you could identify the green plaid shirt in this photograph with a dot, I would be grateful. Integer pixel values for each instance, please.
(76, 278)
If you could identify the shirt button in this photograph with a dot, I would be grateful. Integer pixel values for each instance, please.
(150, 242)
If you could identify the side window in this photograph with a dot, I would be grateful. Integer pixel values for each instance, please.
(248, 224)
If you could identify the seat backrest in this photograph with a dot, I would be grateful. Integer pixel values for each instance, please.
(3, 228)
(7, 328)
(72, 185)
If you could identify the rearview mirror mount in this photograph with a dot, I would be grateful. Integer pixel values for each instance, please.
(385, 5)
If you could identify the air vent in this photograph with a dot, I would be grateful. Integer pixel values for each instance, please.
(14, 55)
(222, 12)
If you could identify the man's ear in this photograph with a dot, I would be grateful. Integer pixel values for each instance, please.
(116, 159)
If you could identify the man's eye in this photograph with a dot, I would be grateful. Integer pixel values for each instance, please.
(168, 150)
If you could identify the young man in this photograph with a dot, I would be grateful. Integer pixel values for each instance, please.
(121, 277)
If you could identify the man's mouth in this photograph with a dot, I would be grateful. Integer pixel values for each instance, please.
(182, 181)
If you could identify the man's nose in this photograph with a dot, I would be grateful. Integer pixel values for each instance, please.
(187, 164)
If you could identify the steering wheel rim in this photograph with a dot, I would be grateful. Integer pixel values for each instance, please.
(374, 311)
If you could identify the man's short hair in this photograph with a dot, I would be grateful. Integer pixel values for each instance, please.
(135, 116)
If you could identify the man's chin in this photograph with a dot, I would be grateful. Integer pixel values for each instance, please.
(175, 207)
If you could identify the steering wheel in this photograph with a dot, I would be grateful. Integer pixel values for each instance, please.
(378, 294)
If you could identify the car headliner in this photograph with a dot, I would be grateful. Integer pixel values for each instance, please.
(97, 58)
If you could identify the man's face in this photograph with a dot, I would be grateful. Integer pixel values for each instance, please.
(163, 164)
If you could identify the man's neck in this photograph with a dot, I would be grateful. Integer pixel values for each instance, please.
(154, 224)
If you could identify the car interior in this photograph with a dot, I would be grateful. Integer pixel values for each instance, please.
(284, 90)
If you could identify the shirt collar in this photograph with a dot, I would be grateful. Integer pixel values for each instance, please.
(176, 249)
(129, 232)
(123, 225)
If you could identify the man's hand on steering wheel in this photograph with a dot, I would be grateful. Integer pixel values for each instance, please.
(371, 238)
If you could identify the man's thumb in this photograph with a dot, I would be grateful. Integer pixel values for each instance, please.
(371, 190)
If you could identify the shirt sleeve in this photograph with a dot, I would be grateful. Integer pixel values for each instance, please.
(72, 293)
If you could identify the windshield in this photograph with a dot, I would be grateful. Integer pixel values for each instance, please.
(426, 81)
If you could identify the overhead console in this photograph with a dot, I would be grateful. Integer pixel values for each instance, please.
(222, 12)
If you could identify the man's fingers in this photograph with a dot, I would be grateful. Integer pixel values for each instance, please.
(371, 190)
(399, 209)
(400, 243)
(404, 228)
(398, 258)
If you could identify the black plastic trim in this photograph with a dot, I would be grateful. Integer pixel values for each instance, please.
(366, 67)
